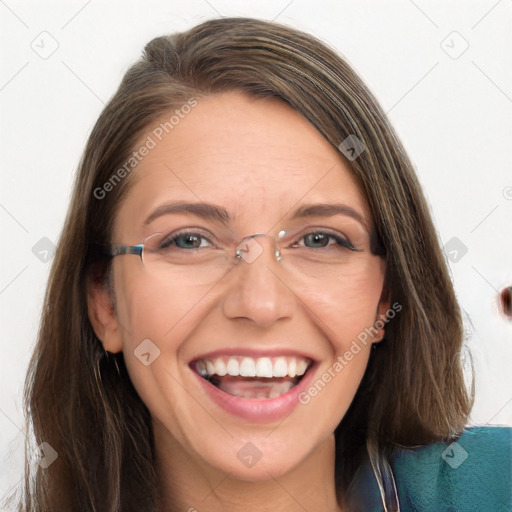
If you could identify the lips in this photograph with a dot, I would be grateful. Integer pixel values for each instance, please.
(255, 386)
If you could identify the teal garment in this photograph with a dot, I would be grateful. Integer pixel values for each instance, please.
(473, 474)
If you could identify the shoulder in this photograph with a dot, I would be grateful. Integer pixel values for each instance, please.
(473, 472)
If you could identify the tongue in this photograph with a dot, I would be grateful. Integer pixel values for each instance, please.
(249, 387)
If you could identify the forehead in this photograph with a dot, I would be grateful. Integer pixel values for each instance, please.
(255, 157)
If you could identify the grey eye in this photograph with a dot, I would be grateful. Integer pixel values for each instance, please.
(317, 240)
(320, 240)
(184, 240)
(188, 241)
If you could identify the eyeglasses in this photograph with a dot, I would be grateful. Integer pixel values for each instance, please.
(203, 256)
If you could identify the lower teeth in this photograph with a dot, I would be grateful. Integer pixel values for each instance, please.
(253, 388)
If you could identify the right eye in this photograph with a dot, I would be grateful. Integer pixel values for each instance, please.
(185, 240)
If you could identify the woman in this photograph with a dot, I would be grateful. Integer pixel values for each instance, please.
(249, 308)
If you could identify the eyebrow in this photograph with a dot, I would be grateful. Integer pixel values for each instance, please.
(204, 210)
(210, 211)
(330, 210)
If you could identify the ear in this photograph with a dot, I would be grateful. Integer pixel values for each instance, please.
(382, 311)
(102, 316)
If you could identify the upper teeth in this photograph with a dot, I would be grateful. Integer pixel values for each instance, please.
(266, 367)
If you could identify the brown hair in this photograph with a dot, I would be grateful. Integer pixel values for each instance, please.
(82, 402)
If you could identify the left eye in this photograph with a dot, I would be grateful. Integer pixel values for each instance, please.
(319, 240)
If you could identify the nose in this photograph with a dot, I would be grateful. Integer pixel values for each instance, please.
(257, 291)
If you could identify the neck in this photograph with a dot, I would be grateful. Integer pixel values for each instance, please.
(188, 484)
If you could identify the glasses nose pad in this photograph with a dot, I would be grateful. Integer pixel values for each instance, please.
(277, 252)
(249, 249)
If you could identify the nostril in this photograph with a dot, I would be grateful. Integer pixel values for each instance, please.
(505, 300)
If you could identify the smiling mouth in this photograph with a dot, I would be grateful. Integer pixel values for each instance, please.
(253, 377)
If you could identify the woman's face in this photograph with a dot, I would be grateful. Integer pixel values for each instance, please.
(186, 311)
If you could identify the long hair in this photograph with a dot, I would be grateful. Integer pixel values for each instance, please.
(82, 402)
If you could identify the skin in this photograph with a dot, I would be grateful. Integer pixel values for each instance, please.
(260, 160)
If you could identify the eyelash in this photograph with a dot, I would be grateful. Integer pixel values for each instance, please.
(340, 241)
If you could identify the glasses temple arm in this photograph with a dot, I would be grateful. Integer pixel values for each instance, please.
(117, 249)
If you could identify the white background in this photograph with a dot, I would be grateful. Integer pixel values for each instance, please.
(454, 116)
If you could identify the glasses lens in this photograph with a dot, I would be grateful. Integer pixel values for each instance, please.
(192, 256)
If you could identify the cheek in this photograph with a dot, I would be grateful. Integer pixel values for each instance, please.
(330, 393)
(346, 308)
(155, 319)
(152, 308)
(346, 315)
